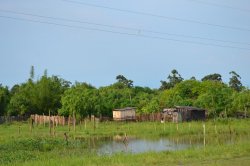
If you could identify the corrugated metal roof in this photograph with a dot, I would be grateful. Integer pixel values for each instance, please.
(125, 109)
(189, 108)
(175, 108)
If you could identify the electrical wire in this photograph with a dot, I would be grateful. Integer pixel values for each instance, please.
(121, 27)
(220, 5)
(158, 16)
(123, 33)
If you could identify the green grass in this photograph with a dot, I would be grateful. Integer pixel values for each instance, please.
(21, 146)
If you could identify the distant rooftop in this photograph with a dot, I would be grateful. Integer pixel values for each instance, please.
(189, 108)
(183, 107)
(125, 109)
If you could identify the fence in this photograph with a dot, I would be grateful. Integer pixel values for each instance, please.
(60, 120)
(7, 119)
(43, 119)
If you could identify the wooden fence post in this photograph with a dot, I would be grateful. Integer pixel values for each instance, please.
(69, 123)
(54, 131)
(49, 123)
(94, 122)
(31, 124)
(85, 123)
(63, 120)
(245, 112)
(74, 121)
(204, 134)
(215, 128)
(43, 120)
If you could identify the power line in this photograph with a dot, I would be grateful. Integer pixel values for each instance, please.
(123, 33)
(121, 27)
(158, 16)
(220, 5)
(65, 19)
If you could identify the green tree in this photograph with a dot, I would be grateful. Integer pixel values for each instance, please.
(123, 80)
(212, 77)
(32, 72)
(241, 102)
(235, 81)
(21, 102)
(79, 100)
(4, 99)
(173, 79)
(215, 96)
(184, 93)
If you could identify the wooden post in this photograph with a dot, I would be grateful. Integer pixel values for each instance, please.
(49, 123)
(54, 132)
(69, 122)
(66, 138)
(94, 122)
(215, 128)
(85, 125)
(31, 124)
(43, 120)
(57, 120)
(245, 112)
(204, 134)
(74, 121)
(177, 126)
(97, 123)
(19, 128)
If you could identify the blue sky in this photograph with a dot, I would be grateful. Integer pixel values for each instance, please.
(74, 53)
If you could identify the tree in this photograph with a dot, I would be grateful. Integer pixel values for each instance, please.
(4, 99)
(123, 80)
(32, 72)
(212, 77)
(184, 93)
(37, 97)
(234, 82)
(193, 78)
(79, 100)
(215, 97)
(241, 102)
(48, 92)
(173, 79)
(152, 106)
(22, 101)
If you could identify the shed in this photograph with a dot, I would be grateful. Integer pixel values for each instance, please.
(124, 114)
(184, 113)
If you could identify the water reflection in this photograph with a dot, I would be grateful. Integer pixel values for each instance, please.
(129, 144)
(137, 145)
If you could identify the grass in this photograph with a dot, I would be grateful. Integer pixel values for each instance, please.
(20, 146)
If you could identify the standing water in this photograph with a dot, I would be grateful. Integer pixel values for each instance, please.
(140, 145)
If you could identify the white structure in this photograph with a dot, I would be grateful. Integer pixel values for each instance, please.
(124, 114)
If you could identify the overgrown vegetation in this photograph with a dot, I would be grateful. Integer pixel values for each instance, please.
(226, 139)
(58, 96)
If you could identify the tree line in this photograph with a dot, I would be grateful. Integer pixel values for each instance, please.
(57, 96)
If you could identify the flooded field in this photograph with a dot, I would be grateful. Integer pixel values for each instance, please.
(121, 144)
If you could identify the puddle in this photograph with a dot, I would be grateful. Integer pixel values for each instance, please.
(118, 144)
(139, 145)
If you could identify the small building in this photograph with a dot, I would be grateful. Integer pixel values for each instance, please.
(124, 114)
(184, 113)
